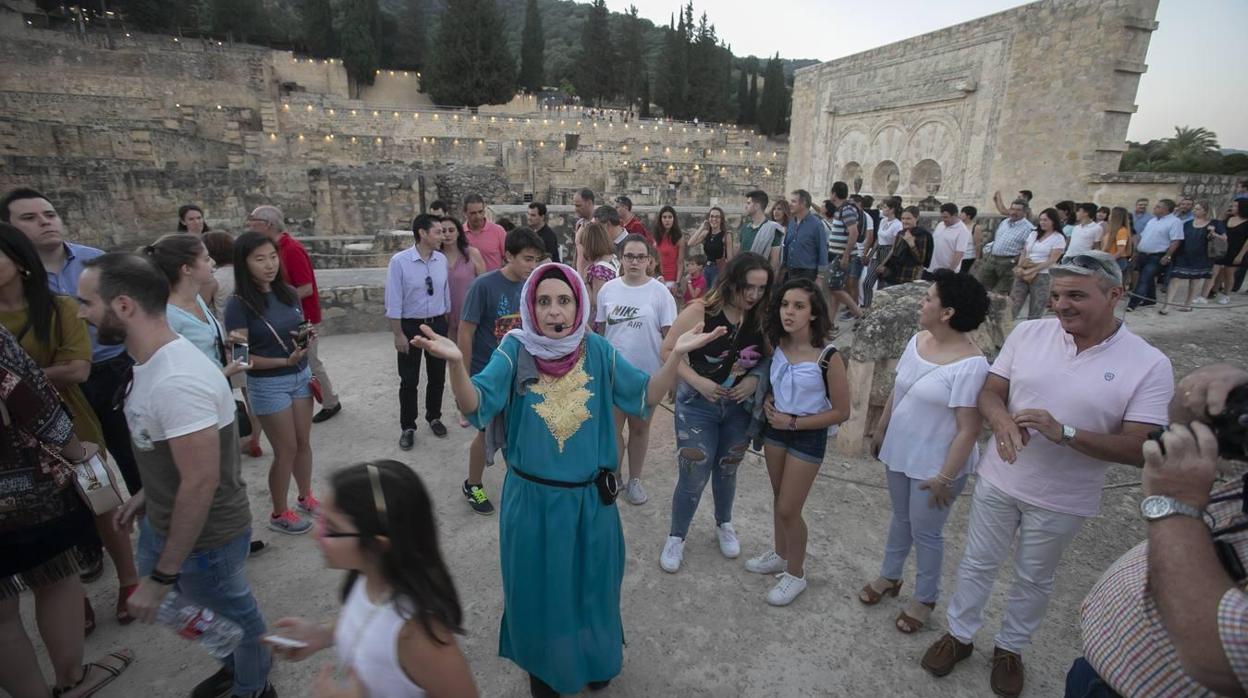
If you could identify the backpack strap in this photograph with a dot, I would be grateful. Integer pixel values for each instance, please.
(825, 360)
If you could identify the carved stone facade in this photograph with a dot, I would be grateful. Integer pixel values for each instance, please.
(1038, 97)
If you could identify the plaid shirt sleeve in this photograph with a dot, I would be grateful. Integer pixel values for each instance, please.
(1233, 631)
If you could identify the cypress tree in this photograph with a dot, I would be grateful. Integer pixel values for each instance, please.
(151, 15)
(773, 106)
(409, 44)
(532, 48)
(630, 64)
(751, 114)
(238, 18)
(594, 71)
(318, 28)
(644, 111)
(356, 25)
(743, 98)
(472, 66)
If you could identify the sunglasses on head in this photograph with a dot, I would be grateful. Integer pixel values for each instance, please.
(1084, 261)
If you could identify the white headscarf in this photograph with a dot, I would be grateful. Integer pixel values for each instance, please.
(546, 349)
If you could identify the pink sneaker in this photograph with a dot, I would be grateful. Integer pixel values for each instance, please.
(309, 504)
(289, 522)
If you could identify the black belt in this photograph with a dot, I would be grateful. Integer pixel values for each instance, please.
(550, 483)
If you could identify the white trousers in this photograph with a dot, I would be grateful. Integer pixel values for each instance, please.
(1042, 538)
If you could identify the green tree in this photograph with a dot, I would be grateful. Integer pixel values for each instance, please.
(238, 19)
(644, 111)
(743, 97)
(773, 105)
(594, 70)
(1192, 144)
(152, 15)
(532, 48)
(318, 28)
(471, 66)
(672, 74)
(630, 63)
(356, 29)
(409, 44)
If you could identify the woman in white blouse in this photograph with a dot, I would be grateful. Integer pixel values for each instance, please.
(1043, 248)
(926, 438)
(890, 226)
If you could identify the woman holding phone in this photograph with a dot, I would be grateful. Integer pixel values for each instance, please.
(265, 313)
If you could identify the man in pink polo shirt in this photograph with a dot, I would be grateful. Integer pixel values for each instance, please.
(1066, 397)
(488, 237)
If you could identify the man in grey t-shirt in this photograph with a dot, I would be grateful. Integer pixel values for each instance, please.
(194, 520)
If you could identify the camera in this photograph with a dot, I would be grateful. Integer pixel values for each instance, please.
(1230, 427)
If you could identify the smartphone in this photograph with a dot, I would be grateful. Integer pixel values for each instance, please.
(304, 333)
(284, 642)
(241, 353)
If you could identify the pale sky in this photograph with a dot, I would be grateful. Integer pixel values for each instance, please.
(1191, 79)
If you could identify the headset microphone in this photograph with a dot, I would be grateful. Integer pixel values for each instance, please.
(559, 327)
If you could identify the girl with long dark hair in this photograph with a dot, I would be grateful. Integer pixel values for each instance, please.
(400, 612)
(717, 243)
(1044, 247)
(48, 328)
(465, 264)
(711, 421)
(671, 245)
(265, 313)
(191, 220)
(809, 393)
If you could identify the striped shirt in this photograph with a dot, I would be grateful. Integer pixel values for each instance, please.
(838, 235)
(1124, 639)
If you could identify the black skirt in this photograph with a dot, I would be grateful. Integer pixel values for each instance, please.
(43, 553)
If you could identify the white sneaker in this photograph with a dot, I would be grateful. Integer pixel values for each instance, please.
(728, 543)
(767, 563)
(787, 589)
(673, 553)
(1223, 299)
(1199, 300)
(634, 492)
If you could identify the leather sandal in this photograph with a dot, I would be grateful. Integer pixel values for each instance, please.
(123, 612)
(910, 624)
(868, 596)
(96, 675)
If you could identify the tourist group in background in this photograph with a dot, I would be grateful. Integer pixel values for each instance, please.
(133, 359)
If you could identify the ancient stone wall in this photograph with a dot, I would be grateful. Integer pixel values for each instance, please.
(122, 136)
(1036, 97)
(1125, 188)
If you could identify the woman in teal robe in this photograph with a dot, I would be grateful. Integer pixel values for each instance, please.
(562, 548)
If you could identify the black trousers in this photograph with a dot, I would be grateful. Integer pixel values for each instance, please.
(409, 375)
(103, 390)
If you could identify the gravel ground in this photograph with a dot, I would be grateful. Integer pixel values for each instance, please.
(707, 630)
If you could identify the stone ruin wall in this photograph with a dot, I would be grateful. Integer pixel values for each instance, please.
(121, 137)
(1036, 97)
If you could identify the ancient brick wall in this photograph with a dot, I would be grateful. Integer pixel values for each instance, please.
(1037, 97)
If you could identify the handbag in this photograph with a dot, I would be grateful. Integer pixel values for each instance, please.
(93, 478)
(1216, 246)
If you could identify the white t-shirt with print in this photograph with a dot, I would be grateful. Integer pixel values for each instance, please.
(633, 317)
(177, 391)
(1038, 251)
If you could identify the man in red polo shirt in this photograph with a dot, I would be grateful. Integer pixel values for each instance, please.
(483, 234)
(631, 223)
(297, 271)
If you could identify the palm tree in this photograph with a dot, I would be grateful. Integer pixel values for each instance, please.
(1191, 144)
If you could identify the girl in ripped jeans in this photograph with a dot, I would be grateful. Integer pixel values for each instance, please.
(711, 417)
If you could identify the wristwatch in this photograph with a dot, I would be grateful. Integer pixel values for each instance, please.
(1158, 507)
(1068, 434)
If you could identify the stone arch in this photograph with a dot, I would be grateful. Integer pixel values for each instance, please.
(888, 141)
(851, 147)
(886, 179)
(926, 178)
(850, 171)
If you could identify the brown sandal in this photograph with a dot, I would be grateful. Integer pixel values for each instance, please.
(870, 597)
(908, 624)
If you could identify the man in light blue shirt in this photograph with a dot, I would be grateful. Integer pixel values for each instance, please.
(32, 213)
(1141, 216)
(418, 293)
(805, 243)
(1158, 242)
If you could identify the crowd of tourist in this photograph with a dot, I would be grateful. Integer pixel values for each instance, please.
(133, 358)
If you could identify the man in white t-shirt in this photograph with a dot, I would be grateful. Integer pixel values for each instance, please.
(1066, 397)
(634, 313)
(194, 519)
(949, 240)
(1087, 233)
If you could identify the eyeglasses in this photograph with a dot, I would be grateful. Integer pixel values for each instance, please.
(429, 285)
(636, 257)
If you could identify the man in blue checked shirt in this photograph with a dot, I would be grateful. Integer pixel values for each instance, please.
(418, 293)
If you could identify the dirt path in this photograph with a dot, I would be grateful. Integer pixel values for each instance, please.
(707, 630)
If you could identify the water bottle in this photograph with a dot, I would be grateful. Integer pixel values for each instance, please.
(219, 635)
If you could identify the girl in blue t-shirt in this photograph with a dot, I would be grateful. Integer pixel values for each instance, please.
(265, 313)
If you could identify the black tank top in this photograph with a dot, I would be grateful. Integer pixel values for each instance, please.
(713, 247)
(727, 359)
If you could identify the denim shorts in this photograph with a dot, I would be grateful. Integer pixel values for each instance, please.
(855, 266)
(804, 444)
(272, 394)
